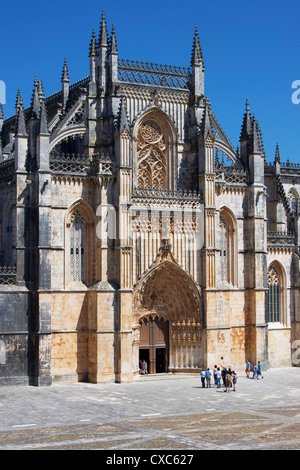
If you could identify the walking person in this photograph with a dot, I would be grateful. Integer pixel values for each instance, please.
(254, 370)
(259, 370)
(203, 375)
(208, 378)
(248, 366)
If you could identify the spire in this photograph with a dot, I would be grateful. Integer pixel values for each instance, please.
(19, 100)
(113, 42)
(206, 126)
(197, 56)
(123, 117)
(103, 36)
(256, 141)
(197, 64)
(35, 101)
(246, 127)
(93, 44)
(65, 72)
(41, 91)
(20, 125)
(65, 84)
(43, 129)
(277, 154)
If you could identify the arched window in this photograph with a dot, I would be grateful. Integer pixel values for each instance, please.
(273, 295)
(80, 245)
(276, 295)
(77, 246)
(223, 249)
(228, 249)
(151, 157)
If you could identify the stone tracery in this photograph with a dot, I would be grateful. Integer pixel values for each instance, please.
(151, 160)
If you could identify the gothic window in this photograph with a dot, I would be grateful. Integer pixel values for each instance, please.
(77, 247)
(223, 249)
(228, 256)
(273, 295)
(151, 157)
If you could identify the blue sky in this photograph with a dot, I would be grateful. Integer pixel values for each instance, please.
(251, 50)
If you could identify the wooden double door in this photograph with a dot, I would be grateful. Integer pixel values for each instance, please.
(154, 344)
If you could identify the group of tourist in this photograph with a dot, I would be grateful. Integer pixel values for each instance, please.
(227, 376)
(256, 370)
(223, 374)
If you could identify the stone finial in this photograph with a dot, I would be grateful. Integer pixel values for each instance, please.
(103, 35)
(20, 121)
(197, 56)
(256, 137)
(123, 117)
(41, 90)
(277, 154)
(43, 129)
(206, 125)
(93, 44)
(246, 126)
(113, 42)
(19, 100)
(65, 72)
(35, 101)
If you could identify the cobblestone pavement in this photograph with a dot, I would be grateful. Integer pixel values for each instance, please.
(161, 412)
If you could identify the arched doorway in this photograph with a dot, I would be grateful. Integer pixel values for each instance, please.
(154, 344)
(167, 306)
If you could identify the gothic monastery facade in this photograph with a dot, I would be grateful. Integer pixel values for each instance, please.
(132, 229)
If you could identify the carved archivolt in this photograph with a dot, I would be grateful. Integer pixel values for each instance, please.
(168, 292)
(151, 157)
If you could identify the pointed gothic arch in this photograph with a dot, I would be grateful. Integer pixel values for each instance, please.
(276, 294)
(167, 293)
(228, 246)
(155, 152)
(79, 243)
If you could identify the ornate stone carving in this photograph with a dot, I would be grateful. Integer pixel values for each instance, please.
(151, 160)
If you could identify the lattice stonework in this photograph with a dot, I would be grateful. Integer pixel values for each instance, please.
(151, 158)
(77, 242)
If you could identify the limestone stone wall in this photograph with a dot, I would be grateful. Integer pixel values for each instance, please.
(69, 345)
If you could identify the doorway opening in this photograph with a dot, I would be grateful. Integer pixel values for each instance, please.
(154, 344)
(160, 360)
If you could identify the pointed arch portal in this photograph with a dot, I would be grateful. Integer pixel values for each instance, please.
(168, 315)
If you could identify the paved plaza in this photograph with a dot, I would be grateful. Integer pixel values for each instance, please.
(155, 412)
